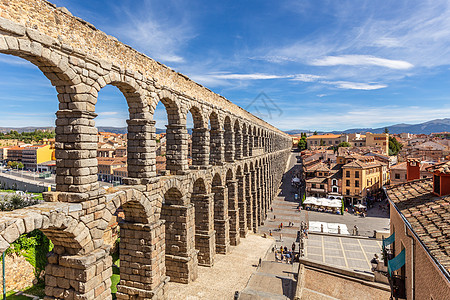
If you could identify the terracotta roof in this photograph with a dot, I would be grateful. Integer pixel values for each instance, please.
(362, 165)
(428, 215)
(441, 168)
(317, 180)
(400, 166)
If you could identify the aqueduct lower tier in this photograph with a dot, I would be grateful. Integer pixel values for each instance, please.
(172, 223)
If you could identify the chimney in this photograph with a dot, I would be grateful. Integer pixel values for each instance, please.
(412, 169)
(441, 178)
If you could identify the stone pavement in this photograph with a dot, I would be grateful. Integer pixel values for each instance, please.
(348, 252)
(230, 273)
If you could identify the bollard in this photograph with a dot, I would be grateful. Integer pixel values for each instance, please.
(321, 228)
(339, 229)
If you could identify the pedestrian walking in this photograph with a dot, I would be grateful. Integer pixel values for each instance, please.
(281, 225)
(293, 247)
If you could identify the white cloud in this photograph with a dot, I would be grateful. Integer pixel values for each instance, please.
(306, 77)
(355, 85)
(361, 60)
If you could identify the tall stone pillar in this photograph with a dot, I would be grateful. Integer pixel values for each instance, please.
(205, 235)
(243, 231)
(233, 212)
(200, 147)
(245, 141)
(79, 276)
(250, 144)
(221, 219)
(217, 147)
(176, 149)
(141, 154)
(181, 256)
(229, 146)
(142, 261)
(249, 200)
(238, 145)
(76, 152)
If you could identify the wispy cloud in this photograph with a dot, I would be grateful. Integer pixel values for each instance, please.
(256, 76)
(361, 60)
(355, 85)
(159, 32)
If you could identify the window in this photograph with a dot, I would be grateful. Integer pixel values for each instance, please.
(322, 186)
(334, 182)
(313, 185)
(320, 173)
(356, 174)
(336, 142)
(405, 176)
(356, 183)
(335, 189)
(347, 173)
(347, 183)
(347, 192)
(397, 176)
(367, 181)
(330, 142)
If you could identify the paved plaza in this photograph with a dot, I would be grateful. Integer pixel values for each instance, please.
(341, 251)
(349, 252)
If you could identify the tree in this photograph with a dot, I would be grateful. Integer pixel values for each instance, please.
(386, 130)
(322, 143)
(344, 144)
(315, 133)
(302, 145)
(394, 146)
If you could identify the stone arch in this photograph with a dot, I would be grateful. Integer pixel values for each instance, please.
(176, 133)
(221, 222)
(241, 198)
(69, 235)
(233, 207)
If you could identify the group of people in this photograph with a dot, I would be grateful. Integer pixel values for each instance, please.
(285, 254)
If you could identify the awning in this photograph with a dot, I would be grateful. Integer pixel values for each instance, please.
(397, 262)
(389, 240)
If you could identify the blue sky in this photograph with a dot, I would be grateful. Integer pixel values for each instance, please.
(320, 65)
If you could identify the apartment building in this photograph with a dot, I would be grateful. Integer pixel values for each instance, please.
(325, 140)
(362, 176)
(398, 172)
(107, 165)
(32, 156)
(378, 140)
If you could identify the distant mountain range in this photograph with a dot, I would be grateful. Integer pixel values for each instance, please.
(438, 125)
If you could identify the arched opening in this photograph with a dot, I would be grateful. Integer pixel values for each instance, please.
(171, 137)
(112, 108)
(248, 196)
(205, 238)
(228, 140)
(216, 140)
(242, 190)
(221, 221)
(250, 140)
(181, 256)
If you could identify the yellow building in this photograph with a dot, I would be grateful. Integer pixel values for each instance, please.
(378, 140)
(326, 140)
(361, 177)
(37, 154)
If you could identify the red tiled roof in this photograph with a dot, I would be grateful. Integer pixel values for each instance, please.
(428, 214)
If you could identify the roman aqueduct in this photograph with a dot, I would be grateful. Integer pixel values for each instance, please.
(172, 223)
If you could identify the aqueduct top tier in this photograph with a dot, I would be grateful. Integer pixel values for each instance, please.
(80, 60)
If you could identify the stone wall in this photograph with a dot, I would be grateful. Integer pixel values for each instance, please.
(19, 273)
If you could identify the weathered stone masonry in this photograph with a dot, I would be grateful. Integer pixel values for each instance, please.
(172, 223)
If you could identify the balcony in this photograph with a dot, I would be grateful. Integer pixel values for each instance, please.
(317, 190)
